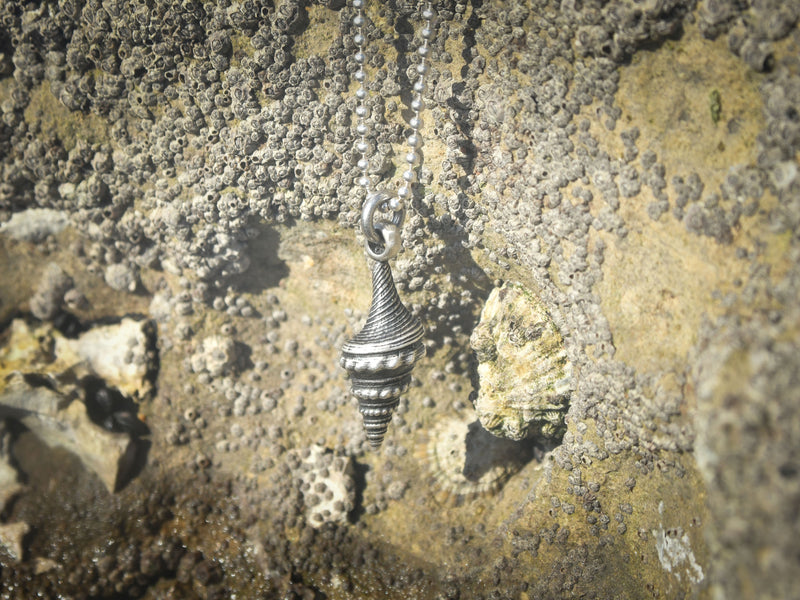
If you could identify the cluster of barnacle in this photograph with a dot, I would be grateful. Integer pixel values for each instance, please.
(719, 212)
(751, 28)
(528, 150)
(247, 386)
(131, 62)
(617, 29)
(216, 123)
(779, 142)
(535, 150)
(584, 494)
(198, 148)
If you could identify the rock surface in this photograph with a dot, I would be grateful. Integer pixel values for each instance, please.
(634, 165)
(48, 386)
(57, 421)
(120, 354)
(11, 534)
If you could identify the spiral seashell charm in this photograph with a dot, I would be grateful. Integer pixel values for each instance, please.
(379, 359)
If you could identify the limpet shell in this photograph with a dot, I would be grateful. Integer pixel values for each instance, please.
(524, 374)
(466, 461)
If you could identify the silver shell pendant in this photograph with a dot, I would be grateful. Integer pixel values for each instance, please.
(380, 358)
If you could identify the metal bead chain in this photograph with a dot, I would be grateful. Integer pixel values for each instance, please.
(412, 157)
(361, 93)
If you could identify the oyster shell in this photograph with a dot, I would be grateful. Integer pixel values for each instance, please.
(524, 375)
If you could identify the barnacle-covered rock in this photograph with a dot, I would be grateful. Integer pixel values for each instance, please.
(216, 355)
(628, 25)
(525, 376)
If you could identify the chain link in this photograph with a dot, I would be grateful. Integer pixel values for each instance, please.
(383, 237)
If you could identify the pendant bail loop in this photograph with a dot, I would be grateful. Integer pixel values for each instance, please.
(390, 246)
(383, 236)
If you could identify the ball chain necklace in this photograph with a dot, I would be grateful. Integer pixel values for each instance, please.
(380, 358)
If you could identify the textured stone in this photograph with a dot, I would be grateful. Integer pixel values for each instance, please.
(34, 224)
(57, 421)
(204, 152)
(11, 536)
(121, 354)
(9, 481)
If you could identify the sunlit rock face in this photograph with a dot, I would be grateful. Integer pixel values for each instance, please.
(631, 165)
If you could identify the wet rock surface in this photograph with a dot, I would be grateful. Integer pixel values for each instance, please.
(633, 164)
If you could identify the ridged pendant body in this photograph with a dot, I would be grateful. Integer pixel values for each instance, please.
(380, 358)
